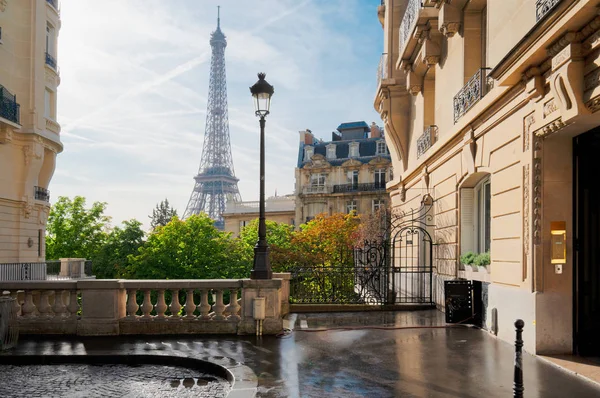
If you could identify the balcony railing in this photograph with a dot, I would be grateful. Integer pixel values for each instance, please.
(9, 108)
(42, 194)
(409, 21)
(382, 69)
(475, 89)
(543, 7)
(53, 3)
(64, 269)
(426, 140)
(117, 307)
(314, 189)
(363, 187)
(51, 61)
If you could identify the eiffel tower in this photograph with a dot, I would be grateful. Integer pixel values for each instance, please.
(215, 181)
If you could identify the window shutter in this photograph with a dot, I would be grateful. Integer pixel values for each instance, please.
(467, 220)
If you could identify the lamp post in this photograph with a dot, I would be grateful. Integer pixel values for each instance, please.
(262, 92)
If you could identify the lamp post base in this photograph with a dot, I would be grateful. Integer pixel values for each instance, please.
(261, 268)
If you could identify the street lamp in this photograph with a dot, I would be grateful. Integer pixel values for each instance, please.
(262, 92)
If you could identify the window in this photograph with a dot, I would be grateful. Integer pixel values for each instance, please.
(243, 223)
(49, 39)
(475, 218)
(309, 151)
(49, 105)
(40, 242)
(380, 178)
(352, 177)
(317, 180)
(331, 151)
(351, 206)
(381, 148)
(354, 150)
(378, 204)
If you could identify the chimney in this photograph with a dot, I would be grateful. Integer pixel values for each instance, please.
(375, 131)
(307, 137)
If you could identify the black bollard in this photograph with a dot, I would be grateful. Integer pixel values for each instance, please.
(518, 382)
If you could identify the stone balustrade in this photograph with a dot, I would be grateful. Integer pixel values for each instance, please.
(119, 307)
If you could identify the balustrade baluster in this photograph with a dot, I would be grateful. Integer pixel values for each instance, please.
(28, 308)
(161, 306)
(16, 304)
(44, 307)
(73, 304)
(190, 306)
(132, 305)
(59, 307)
(204, 306)
(175, 306)
(147, 304)
(233, 308)
(219, 307)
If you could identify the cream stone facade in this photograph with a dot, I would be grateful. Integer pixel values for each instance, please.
(29, 132)
(488, 107)
(280, 209)
(345, 174)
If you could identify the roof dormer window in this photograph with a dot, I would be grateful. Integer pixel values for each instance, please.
(309, 151)
(354, 150)
(381, 148)
(331, 151)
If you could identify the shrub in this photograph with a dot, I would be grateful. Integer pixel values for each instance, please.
(468, 258)
(482, 259)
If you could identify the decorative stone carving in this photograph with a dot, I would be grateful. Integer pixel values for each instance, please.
(431, 60)
(562, 43)
(402, 193)
(27, 209)
(2, 5)
(528, 121)
(550, 128)
(550, 107)
(468, 152)
(593, 104)
(6, 135)
(425, 176)
(526, 209)
(43, 215)
(449, 29)
(537, 189)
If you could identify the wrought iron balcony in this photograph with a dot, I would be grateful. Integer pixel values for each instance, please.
(42, 194)
(426, 140)
(9, 108)
(543, 7)
(51, 61)
(363, 187)
(409, 21)
(475, 89)
(382, 69)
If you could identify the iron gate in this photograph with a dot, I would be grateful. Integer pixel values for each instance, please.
(392, 268)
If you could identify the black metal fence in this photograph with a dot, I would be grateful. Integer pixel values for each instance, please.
(9, 108)
(362, 187)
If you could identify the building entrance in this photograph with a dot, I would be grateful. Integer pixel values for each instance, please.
(586, 278)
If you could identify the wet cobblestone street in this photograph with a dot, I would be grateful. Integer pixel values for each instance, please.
(108, 381)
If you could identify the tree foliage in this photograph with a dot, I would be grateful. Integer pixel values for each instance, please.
(113, 258)
(162, 214)
(75, 231)
(189, 249)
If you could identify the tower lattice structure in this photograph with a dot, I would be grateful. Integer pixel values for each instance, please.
(215, 181)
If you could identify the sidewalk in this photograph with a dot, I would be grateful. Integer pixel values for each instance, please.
(426, 361)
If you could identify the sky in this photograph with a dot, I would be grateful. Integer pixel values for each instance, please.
(134, 87)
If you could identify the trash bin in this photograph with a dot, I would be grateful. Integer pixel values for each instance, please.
(9, 328)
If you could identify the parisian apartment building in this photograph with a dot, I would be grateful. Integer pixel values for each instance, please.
(490, 107)
(346, 174)
(29, 131)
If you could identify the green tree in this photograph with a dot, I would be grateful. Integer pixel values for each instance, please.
(113, 258)
(75, 231)
(190, 249)
(162, 214)
(279, 238)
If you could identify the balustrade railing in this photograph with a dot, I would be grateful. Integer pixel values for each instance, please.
(475, 89)
(9, 108)
(51, 61)
(411, 15)
(382, 69)
(142, 306)
(42, 194)
(316, 189)
(543, 7)
(426, 140)
(362, 187)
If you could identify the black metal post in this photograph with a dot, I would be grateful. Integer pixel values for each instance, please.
(261, 268)
(518, 387)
